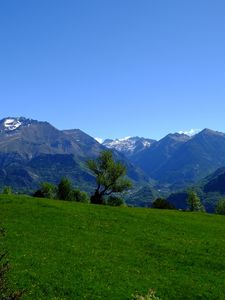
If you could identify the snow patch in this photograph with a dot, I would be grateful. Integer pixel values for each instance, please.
(190, 132)
(12, 124)
(99, 140)
(128, 145)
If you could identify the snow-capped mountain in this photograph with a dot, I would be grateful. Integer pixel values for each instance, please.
(34, 151)
(129, 145)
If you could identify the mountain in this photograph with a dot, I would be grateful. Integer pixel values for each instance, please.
(215, 182)
(129, 146)
(32, 152)
(179, 160)
(210, 189)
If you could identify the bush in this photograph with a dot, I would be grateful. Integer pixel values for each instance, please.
(47, 190)
(220, 207)
(7, 190)
(79, 196)
(115, 201)
(65, 189)
(162, 203)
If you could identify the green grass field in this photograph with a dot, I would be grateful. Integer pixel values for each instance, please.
(62, 250)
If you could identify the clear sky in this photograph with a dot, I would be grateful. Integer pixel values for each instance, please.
(114, 68)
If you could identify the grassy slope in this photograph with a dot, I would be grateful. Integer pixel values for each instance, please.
(62, 250)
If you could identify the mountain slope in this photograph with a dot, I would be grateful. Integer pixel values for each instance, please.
(32, 152)
(154, 159)
(129, 146)
(179, 160)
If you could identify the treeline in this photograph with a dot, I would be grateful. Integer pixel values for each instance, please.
(63, 191)
(111, 182)
(193, 204)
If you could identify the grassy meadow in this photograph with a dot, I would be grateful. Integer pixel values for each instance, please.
(65, 250)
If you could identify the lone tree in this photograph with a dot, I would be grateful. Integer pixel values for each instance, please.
(194, 202)
(110, 176)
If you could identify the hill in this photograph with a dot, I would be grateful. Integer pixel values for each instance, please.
(62, 250)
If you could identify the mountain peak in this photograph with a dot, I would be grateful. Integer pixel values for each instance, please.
(208, 131)
(177, 137)
(11, 124)
(129, 145)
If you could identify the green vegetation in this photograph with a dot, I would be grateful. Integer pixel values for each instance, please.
(150, 296)
(115, 201)
(68, 250)
(194, 202)
(220, 208)
(63, 191)
(5, 292)
(110, 176)
(7, 190)
(162, 203)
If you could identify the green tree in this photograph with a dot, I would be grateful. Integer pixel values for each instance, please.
(7, 190)
(194, 202)
(47, 190)
(110, 176)
(115, 201)
(79, 196)
(162, 203)
(65, 189)
(220, 207)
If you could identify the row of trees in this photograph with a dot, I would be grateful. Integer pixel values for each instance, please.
(110, 179)
(193, 202)
(63, 191)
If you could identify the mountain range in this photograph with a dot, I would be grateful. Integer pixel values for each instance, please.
(178, 160)
(32, 152)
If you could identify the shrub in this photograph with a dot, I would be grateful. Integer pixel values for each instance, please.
(7, 190)
(162, 203)
(65, 189)
(220, 207)
(79, 196)
(115, 201)
(47, 190)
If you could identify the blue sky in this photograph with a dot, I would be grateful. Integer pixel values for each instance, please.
(114, 68)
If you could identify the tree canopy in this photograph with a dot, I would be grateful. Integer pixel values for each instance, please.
(110, 176)
(194, 202)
